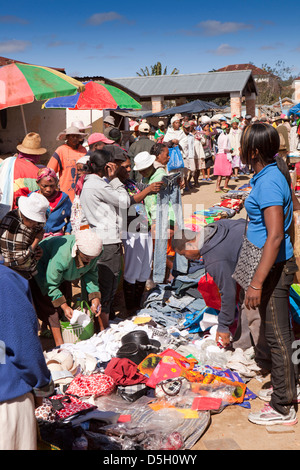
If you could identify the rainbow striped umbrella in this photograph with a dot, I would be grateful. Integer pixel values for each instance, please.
(95, 96)
(23, 83)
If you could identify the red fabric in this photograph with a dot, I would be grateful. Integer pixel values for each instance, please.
(124, 372)
(210, 292)
(91, 385)
(72, 406)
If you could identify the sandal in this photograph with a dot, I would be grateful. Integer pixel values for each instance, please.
(226, 190)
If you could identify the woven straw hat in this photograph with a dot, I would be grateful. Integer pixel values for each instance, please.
(32, 144)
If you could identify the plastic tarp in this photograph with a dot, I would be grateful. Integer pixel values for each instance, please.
(196, 106)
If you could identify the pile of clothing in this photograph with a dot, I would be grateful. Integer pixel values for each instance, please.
(146, 383)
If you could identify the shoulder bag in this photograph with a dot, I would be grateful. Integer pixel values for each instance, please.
(249, 259)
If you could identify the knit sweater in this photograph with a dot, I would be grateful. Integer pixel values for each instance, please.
(22, 365)
(57, 265)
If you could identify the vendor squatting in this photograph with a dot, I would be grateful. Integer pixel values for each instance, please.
(156, 459)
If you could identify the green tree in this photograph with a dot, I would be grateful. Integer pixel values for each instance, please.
(156, 69)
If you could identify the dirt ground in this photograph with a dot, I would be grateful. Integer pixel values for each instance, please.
(230, 429)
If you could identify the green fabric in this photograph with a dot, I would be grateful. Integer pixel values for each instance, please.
(57, 265)
(45, 84)
(151, 200)
(123, 100)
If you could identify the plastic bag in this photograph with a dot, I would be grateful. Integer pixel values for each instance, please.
(176, 160)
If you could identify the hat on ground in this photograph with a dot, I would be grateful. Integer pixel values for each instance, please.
(34, 207)
(140, 338)
(143, 160)
(98, 137)
(70, 131)
(80, 125)
(109, 120)
(32, 144)
(144, 127)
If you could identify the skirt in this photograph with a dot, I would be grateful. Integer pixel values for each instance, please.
(222, 165)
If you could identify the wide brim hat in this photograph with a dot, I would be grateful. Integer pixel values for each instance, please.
(32, 145)
(80, 125)
(140, 338)
(70, 131)
(143, 160)
(34, 207)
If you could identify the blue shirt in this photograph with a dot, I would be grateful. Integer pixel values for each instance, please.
(269, 188)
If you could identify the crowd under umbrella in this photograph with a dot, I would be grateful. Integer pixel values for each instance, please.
(24, 83)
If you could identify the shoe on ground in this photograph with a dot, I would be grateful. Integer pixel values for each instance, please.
(265, 394)
(269, 417)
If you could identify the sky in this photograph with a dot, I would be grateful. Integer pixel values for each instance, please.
(117, 39)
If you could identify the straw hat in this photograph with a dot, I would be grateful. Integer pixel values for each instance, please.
(70, 131)
(32, 144)
(80, 125)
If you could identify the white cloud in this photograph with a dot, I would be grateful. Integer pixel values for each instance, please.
(99, 18)
(13, 45)
(224, 50)
(216, 28)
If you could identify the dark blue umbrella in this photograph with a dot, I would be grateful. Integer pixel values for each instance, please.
(294, 110)
(196, 106)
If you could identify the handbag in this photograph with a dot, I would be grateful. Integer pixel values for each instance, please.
(249, 259)
(176, 161)
(207, 153)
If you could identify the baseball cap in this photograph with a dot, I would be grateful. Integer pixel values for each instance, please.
(98, 137)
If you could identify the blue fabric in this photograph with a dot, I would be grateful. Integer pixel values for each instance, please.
(22, 366)
(169, 193)
(59, 218)
(269, 188)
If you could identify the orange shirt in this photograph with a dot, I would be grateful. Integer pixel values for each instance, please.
(63, 162)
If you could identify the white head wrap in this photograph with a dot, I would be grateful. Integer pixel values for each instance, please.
(88, 242)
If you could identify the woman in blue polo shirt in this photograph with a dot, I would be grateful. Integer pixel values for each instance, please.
(270, 210)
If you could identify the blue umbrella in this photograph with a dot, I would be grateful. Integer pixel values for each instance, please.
(294, 110)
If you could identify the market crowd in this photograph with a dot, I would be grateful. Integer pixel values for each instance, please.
(91, 215)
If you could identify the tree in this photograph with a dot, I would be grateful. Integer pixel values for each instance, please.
(279, 83)
(156, 69)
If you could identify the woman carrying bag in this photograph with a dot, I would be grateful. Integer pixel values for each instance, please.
(270, 211)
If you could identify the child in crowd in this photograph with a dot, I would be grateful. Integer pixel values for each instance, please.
(21, 230)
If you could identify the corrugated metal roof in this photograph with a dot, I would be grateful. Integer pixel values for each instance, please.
(190, 84)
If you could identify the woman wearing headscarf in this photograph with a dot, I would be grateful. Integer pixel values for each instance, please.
(59, 211)
(18, 173)
(64, 260)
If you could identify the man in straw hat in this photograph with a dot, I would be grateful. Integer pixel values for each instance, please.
(18, 173)
(64, 159)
